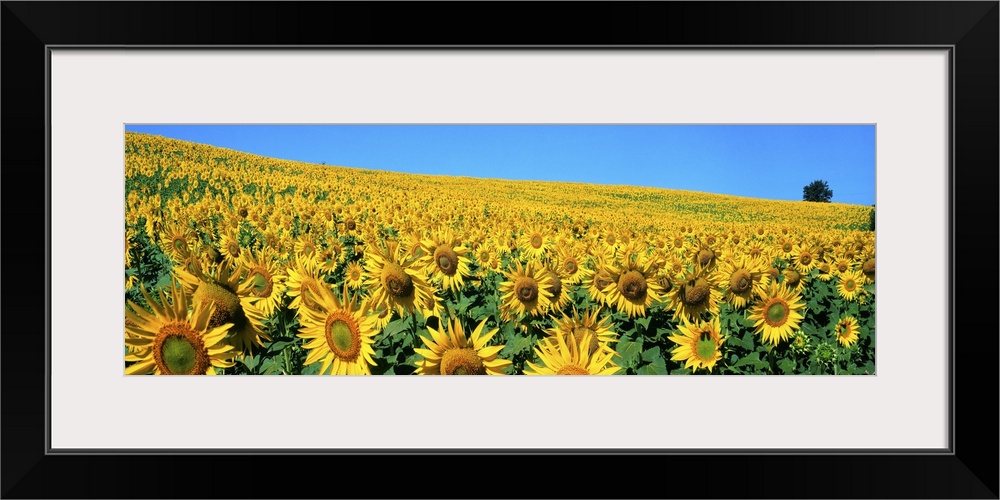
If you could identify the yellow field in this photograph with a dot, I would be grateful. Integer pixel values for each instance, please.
(265, 266)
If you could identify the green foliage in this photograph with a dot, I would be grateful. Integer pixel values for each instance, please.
(817, 190)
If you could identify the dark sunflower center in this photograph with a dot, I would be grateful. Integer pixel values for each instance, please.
(805, 259)
(710, 240)
(396, 280)
(773, 271)
(736, 240)
(570, 369)
(261, 283)
(755, 252)
(824, 268)
(603, 280)
(678, 243)
(350, 224)
(787, 247)
(244, 212)
(343, 336)
(665, 284)
(849, 285)
(536, 240)
(845, 329)
(570, 266)
(526, 289)
(179, 350)
(180, 244)
(792, 277)
(842, 267)
(234, 249)
(308, 249)
(705, 256)
(227, 304)
(633, 285)
(580, 332)
(869, 268)
(740, 281)
(556, 287)
(696, 292)
(849, 254)
(462, 362)
(447, 259)
(777, 313)
(611, 239)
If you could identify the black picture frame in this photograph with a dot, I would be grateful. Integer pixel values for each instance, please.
(968, 470)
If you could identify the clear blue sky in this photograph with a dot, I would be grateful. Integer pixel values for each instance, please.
(762, 161)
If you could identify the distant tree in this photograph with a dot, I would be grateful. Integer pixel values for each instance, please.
(817, 191)
(871, 219)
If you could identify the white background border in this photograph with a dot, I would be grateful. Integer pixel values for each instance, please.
(95, 92)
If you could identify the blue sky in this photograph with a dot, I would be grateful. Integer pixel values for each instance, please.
(762, 161)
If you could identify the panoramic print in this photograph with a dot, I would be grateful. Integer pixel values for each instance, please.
(499, 250)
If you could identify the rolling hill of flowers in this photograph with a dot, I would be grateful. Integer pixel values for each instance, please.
(241, 264)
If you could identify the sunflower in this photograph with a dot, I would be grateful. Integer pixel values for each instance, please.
(327, 258)
(354, 275)
(596, 281)
(704, 256)
(568, 265)
(846, 331)
(794, 280)
(380, 315)
(337, 333)
(868, 269)
(840, 265)
(304, 283)
(451, 353)
(785, 248)
(171, 340)
(483, 255)
(230, 248)
(743, 280)
(222, 287)
(177, 240)
(264, 286)
(305, 248)
(696, 295)
(526, 291)
(559, 291)
(804, 259)
(394, 280)
(756, 250)
(578, 326)
(778, 314)
(634, 286)
(849, 285)
(566, 358)
(678, 244)
(825, 271)
(535, 243)
(698, 345)
(446, 260)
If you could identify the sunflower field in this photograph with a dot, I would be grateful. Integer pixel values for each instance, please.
(237, 264)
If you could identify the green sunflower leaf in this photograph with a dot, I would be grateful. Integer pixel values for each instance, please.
(652, 354)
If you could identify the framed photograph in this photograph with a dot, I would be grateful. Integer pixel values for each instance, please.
(692, 212)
